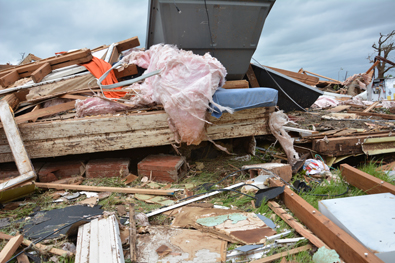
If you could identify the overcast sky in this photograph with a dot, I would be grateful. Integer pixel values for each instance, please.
(328, 37)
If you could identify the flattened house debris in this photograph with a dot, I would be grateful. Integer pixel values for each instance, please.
(141, 145)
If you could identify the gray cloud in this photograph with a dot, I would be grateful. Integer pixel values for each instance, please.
(325, 37)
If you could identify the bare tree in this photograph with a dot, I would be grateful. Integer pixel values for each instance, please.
(383, 48)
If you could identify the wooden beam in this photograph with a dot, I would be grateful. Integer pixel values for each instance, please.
(132, 234)
(12, 100)
(41, 72)
(126, 72)
(125, 190)
(364, 181)
(9, 78)
(347, 247)
(296, 225)
(9, 249)
(282, 254)
(373, 66)
(73, 97)
(252, 78)
(236, 84)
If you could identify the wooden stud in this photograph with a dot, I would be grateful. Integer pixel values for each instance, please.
(9, 78)
(132, 234)
(334, 80)
(371, 106)
(252, 78)
(105, 189)
(9, 249)
(336, 238)
(41, 72)
(73, 97)
(373, 66)
(364, 181)
(236, 84)
(296, 225)
(282, 254)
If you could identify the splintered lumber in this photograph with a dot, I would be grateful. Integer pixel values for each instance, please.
(9, 249)
(12, 100)
(22, 71)
(41, 72)
(309, 80)
(364, 181)
(118, 132)
(252, 78)
(373, 66)
(105, 189)
(334, 80)
(45, 112)
(349, 249)
(371, 106)
(296, 225)
(122, 46)
(282, 254)
(19, 153)
(132, 234)
(236, 84)
(25, 242)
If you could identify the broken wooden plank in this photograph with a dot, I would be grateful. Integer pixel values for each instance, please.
(105, 189)
(236, 84)
(132, 234)
(9, 78)
(10, 248)
(45, 112)
(364, 181)
(68, 59)
(371, 106)
(12, 100)
(381, 115)
(73, 97)
(340, 108)
(19, 153)
(282, 254)
(25, 242)
(334, 80)
(252, 78)
(347, 247)
(296, 225)
(41, 72)
(339, 146)
(309, 80)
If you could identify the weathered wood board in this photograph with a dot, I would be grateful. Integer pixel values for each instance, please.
(110, 133)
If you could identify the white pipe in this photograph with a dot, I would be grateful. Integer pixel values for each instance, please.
(159, 211)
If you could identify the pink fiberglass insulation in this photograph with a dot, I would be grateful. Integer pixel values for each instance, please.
(184, 87)
(97, 106)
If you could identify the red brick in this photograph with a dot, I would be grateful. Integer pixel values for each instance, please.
(110, 167)
(54, 171)
(164, 168)
(8, 170)
(281, 169)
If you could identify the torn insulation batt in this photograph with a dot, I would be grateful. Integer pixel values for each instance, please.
(184, 87)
